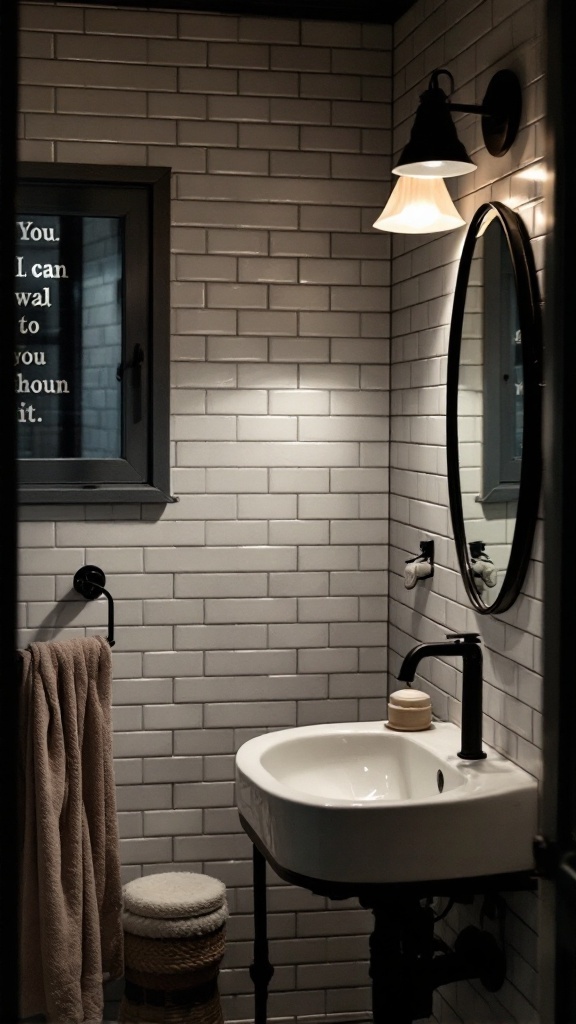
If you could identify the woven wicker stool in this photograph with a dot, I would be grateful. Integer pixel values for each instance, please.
(174, 939)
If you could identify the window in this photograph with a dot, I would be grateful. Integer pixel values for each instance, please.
(92, 333)
(503, 383)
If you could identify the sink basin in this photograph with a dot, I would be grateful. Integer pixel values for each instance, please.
(360, 803)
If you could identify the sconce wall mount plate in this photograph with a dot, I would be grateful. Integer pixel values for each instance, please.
(501, 110)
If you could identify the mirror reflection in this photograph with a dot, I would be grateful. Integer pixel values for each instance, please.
(493, 340)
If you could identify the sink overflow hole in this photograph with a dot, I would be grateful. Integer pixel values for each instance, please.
(440, 780)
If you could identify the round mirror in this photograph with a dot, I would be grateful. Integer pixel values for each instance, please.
(493, 407)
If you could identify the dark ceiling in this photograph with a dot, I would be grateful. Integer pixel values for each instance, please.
(382, 12)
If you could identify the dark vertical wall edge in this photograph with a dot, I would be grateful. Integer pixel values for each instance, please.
(558, 818)
(9, 686)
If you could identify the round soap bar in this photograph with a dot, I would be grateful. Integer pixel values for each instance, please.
(409, 710)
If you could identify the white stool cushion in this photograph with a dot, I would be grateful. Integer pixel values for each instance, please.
(174, 894)
(175, 927)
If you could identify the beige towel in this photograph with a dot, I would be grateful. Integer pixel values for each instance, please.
(70, 886)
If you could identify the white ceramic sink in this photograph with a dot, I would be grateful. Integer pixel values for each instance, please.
(358, 802)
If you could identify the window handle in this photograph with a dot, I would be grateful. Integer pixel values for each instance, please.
(135, 364)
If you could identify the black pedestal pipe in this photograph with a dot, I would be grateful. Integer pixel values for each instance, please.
(261, 969)
(407, 961)
(400, 962)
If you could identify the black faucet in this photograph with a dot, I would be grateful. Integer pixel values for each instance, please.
(467, 647)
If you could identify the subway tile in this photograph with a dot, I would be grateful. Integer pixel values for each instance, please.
(221, 584)
(357, 480)
(167, 663)
(303, 165)
(331, 86)
(195, 26)
(299, 532)
(172, 769)
(267, 269)
(356, 428)
(267, 376)
(251, 714)
(268, 136)
(248, 663)
(293, 403)
(203, 794)
(59, 19)
(128, 771)
(303, 243)
(198, 742)
(299, 350)
(328, 376)
(129, 824)
(170, 716)
(237, 349)
(238, 533)
(300, 297)
(233, 55)
(172, 823)
(184, 55)
(97, 74)
(328, 506)
(220, 847)
(137, 851)
(267, 506)
(219, 637)
(298, 584)
(330, 139)
(262, 83)
(365, 582)
(142, 744)
(123, 23)
(256, 453)
(267, 428)
(182, 106)
(172, 611)
(37, 44)
(328, 557)
(298, 480)
(327, 609)
(101, 48)
(360, 634)
(246, 610)
(126, 718)
(138, 798)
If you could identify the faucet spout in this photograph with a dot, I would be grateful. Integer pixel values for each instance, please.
(467, 647)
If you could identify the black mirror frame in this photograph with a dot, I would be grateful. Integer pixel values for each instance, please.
(530, 479)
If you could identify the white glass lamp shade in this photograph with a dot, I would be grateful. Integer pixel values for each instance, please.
(419, 206)
(433, 168)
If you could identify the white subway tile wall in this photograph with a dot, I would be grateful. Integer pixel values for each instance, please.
(472, 40)
(307, 434)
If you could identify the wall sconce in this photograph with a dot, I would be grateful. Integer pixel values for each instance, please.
(419, 206)
(420, 202)
(434, 148)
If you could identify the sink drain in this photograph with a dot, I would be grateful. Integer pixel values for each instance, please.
(440, 780)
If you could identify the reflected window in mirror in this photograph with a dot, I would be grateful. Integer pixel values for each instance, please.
(503, 380)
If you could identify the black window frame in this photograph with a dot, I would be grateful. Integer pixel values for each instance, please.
(141, 197)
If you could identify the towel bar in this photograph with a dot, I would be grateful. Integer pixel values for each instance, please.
(89, 581)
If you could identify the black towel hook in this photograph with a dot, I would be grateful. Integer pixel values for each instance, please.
(89, 581)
